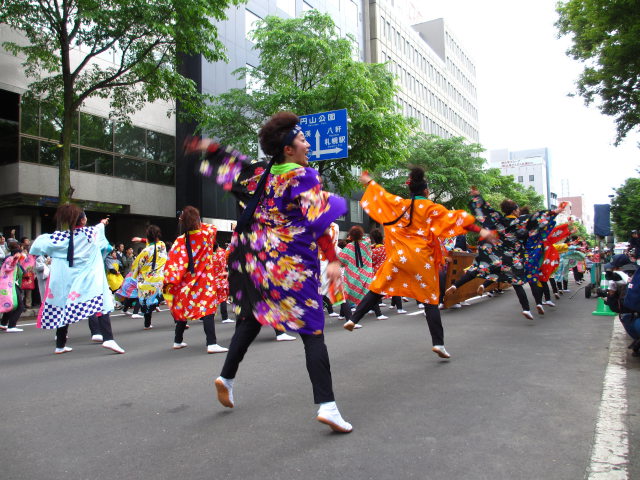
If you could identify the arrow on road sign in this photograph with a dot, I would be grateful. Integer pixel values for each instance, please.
(317, 152)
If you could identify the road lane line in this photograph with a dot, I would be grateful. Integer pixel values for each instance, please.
(610, 452)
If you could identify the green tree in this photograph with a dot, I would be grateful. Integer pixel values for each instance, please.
(65, 38)
(625, 207)
(606, 37)
(451, 165)
(306, 68)
(497, 187)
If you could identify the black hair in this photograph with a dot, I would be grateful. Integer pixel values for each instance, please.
(376, 235)
(273, 133)
(508, 206)
(417, 185)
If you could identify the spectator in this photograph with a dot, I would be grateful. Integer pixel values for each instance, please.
(11, 299)
(127, 261)
(4, 250)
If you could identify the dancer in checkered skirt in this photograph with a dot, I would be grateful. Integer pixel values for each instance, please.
(77, 287)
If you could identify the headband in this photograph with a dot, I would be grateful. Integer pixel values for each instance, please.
(289, 137)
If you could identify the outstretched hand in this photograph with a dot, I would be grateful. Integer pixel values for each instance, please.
(365, 178)
(196, 144)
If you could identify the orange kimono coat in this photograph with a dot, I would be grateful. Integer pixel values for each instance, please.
(414, 254)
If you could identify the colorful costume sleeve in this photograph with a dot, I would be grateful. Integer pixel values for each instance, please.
(381, 205)
(486, 215)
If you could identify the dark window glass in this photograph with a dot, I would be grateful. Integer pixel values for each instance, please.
(104, 164)
(51, 123)
(129, 168)
(160, 147)
(50, 154)
(531, 177)
(160, 174)
(29, 150)
(96, 132)
(74, 158)
(29, 116)
(130, 140)
(87, 160)
(9, 116)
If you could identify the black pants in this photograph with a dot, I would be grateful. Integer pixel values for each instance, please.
(434, 321)
(147, 311)
(10, 319)
(565, 284)
(396, 302)
(316, 354)
(327, 304)
(131, 302)
(546, 292)
(554, 285)
(467, 277)
(345, 311)
(577, 276)
(208, 325)
(522, 296)
(98, 325)
(223, 311)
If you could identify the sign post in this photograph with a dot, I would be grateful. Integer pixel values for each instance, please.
(327, 133)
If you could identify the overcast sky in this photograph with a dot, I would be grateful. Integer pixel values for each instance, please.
(523, 78)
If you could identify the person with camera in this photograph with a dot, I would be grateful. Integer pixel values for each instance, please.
(618, 272)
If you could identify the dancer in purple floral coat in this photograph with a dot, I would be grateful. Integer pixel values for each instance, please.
(274, 269)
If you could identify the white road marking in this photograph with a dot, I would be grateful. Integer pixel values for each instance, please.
(610, 452)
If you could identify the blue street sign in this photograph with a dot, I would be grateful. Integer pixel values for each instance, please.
(327, 134)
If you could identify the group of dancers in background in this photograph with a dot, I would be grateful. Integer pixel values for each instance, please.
(283, 264)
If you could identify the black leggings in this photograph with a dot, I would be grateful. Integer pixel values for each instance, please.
(208, 325)
(131, 302)
(315, 350)
(431, 312)
(468, 276)
(10, 319)
(522, 296)
(98, 325)
(554, 285)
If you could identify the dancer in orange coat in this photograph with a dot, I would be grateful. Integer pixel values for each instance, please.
(413, 228)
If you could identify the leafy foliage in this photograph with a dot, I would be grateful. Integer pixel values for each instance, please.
(625, 207)
(306, 68)
(452, 167)
(606, 36)
(68, 40)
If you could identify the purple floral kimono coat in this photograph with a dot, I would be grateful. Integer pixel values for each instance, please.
(274, 269)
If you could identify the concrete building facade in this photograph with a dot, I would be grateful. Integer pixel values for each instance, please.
(130, 171)
(436, 75)
(126, 171)
(530, 168)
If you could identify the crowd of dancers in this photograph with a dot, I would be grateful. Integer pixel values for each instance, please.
(285, 263)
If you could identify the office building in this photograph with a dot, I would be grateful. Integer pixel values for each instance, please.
(530, 168)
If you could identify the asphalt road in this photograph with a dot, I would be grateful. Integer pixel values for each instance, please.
(518, 400)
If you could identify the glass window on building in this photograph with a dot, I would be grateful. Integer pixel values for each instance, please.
(30, 117)
(352, 12)
(96, 132)
(158, 173)
(287, 6)
(29, 149)
(129, 168)
(356, 212)
(160, 147)
(531, 177)
(520, 179)
(130, 140)
(250, 20)
(9, 126)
